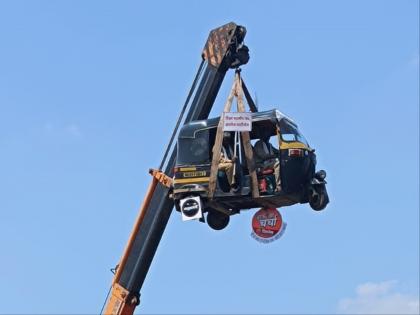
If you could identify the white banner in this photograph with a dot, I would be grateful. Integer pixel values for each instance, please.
(234, 121)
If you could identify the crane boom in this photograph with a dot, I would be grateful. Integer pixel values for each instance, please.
(224, 49)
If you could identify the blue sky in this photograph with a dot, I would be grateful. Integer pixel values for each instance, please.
(89, 94)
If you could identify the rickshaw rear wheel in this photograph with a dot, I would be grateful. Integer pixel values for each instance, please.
(217, 220)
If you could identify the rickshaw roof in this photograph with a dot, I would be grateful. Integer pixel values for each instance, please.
(188, 130)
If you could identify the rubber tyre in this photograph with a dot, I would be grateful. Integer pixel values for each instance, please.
(217, 220)
(319, 201)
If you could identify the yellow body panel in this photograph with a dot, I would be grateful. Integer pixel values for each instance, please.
(191, 180)
(187, 169)
(293, 145)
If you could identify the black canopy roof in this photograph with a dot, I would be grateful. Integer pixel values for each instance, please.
(189, 130)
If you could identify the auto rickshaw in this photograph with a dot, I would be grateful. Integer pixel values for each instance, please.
(299, 182)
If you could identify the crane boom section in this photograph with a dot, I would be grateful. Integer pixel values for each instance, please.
(224, 49)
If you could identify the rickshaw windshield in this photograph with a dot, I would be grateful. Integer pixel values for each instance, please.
(290, 133)
(193, 151)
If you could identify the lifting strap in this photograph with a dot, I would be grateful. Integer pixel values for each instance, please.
(236, 91)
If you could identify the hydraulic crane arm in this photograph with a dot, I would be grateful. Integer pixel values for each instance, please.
(224, 49)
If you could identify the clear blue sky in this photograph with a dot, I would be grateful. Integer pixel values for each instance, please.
(89, 95)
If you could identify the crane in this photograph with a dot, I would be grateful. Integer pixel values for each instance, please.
(224, 50)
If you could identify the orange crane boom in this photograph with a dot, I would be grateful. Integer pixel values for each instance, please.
(223, 50)
(120, 300)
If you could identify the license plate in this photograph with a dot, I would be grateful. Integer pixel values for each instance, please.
(194, 174)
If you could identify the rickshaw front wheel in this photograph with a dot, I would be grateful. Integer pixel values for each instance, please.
(318, 199)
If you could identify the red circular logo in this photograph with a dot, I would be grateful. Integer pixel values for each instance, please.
(267, 222)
